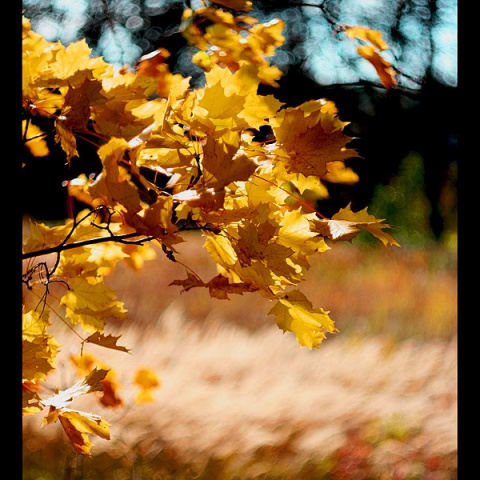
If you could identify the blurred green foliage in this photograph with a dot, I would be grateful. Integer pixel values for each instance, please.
(404, 203)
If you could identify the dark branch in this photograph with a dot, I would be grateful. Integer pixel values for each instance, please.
(91, 241)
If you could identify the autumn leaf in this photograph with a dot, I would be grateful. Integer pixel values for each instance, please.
(89, 301)
(107, 341)
(175, 158)
(294, 313)
(216, 112)
(36, 360)
(382, 66)
(372, 52)
(114, 185)
(311, 143)
(190, 282)
(220, 286)
(346, 224)
(39, 348)
(79, 425)
(91, 383)
(223, 164)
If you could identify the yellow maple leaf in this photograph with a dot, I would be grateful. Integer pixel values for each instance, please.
(89, 301)
(296, 234)
(39, 349)
(371, 52)
(37, 359)
(217, 112)
(113, 186)
(222, 163)
(75, 58)
(346, 224)
(294, 313)
(311, 142)
(43, 236)
(251, 250)
(78, 425)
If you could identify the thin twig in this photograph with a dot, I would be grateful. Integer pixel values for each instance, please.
(91, 241)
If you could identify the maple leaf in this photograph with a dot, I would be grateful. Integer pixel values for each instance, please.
(43, 236)
(76, 113)
(249, 248)
(91, 383)
(345, 225)
(107, 341)
(220, 286)
(295, 233)
(75, 58)
(311, 143)
(190, 282)
(372, 51)
(382, 66)
(216, 111)
(156, 220)
(89, 301)
(222, 164)
(294, 313)
(36, 362)
(113, 184)
(39, 349)
(78, 425)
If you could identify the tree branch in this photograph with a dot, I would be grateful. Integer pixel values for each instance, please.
(91, 241)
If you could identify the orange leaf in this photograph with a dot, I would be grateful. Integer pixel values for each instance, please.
(382, 66)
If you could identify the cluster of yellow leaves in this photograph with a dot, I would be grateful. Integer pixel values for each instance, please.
(233, 40)
(254, 201)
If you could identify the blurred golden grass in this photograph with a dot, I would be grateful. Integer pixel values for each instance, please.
(239, 400)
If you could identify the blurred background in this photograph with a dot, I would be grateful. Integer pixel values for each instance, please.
(239, 400)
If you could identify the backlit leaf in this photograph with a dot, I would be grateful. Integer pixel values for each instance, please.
(294, 313)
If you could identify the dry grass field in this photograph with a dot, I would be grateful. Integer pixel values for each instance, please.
(240, 400)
